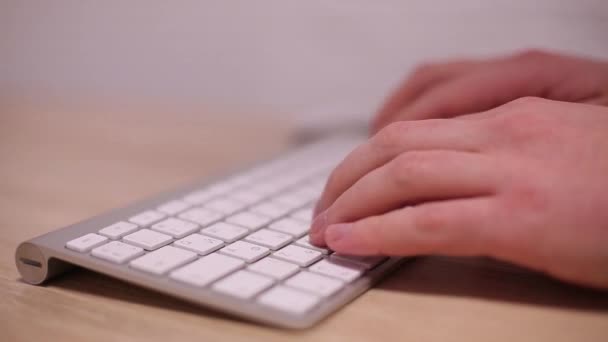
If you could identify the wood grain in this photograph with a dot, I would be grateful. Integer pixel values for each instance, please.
(60, 166)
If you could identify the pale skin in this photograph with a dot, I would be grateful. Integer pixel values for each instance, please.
(492, 172)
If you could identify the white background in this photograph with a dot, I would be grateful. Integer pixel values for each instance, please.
(307, 59)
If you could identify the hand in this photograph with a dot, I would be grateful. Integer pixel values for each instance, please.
(526, 182)
(455, 88)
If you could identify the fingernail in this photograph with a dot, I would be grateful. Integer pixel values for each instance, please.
(337, 232)
(318, 227)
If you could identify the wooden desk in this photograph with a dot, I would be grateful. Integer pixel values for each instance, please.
(58, 167)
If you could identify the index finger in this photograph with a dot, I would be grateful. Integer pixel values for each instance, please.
(398, 137)
(423, 78)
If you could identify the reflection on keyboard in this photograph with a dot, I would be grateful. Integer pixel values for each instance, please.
(241, 242)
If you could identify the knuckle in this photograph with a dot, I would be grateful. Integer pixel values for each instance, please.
(524, 119)
(527, 102)
(404, 168)
(399, 133)
(391, 135)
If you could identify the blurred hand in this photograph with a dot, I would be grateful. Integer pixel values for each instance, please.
(526, 182)
(455, 88)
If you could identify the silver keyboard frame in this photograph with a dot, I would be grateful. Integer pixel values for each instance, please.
(44, 257)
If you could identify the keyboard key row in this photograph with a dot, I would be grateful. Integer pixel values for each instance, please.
(336, 269)
(247, 197)
(246, 251)
(249, 220)
(206, 269)
(86, 242)
(201, 216)
(199, 244)
(147, 218)
(225, 206)
(175, 227)
(314, 283)
(163, 260)
(298, 255)
(304, 214)
(118, 229)
(305, 288)
(243, 284)
(305, 242)
(225, 231)
(290, 226)
(271, 209)
(268, 238)
(148, 239)
(173, 207)
(289, 300)
(274, 268)
(117, 252)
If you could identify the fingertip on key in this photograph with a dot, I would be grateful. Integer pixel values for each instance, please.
(317, 229)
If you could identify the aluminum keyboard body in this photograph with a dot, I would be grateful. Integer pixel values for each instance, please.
(237, 244)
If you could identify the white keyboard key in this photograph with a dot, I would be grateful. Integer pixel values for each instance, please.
(200, 197)
(288, 300)
(245, 250)
(206, 269)
(175, 227)
(367, 262)
(200, 244)
(315, 283)
(265, 188)
(117, 252)
(222, 188)
(341, 270)
(303, 215)
(201, 216)
(274, 268)
(305, 242)
(118, 229)
(268, 238)
(249, 220)
(308, 192)
(290, 226)
(300, 176)
(271, 209)
(284, 181)
(147, 239)
(247, 197)
(147, 217)
(225, 231)
(298, 255)
(243, 284)
(317, 186)
(173, 207)
(163, 260)
(225, 206)
(86, 242)
(291, 199)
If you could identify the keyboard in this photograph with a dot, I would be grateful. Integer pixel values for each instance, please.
(238, 244)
